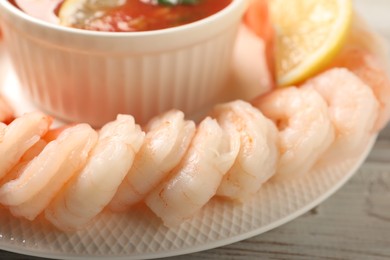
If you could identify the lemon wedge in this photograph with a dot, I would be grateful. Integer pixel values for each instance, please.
(309, 34)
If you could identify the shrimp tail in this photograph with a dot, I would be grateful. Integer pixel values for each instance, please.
(6, 111)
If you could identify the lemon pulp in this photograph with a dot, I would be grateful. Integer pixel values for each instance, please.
(309, 34)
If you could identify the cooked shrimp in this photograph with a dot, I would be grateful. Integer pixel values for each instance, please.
(258, 155)
(166, 141)
(2, 131)
(6, 112)
(53, 133)
(30, 193)
(366, 55)
(353, 110)
(89, 191)
(250, 76)
(367, 68)
(253, 66)
(33, 151)
(258, 19)
(305, 128)
(196, 179)
(19, 136)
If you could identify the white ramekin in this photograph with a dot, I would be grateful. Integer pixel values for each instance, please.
(87, 76)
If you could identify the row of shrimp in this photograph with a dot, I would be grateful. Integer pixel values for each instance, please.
(176, 166)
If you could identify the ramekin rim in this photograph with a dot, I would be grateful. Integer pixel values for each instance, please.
(235, 4)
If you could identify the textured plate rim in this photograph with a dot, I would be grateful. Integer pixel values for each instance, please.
(358, 161)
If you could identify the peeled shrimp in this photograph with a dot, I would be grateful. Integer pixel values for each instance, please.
(305, 128)
(30, 154)
(258, 19)
(196, 179)
(6, 112)
(89, 191)
(353, 110)
(19, 136)
(366, 55)
(30, 193)
(251, 76)
(166, 141)
(258, 155)
(253, 68)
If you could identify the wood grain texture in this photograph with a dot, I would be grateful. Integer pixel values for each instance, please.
(352, 224)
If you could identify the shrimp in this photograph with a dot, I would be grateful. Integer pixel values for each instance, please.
(89, 191)
(53, 133)
(6, 112)
(30, 154)
(353, 110)
(167, 139)
(258, 155)
(258, 19)
(251, 76)
(19, 136)
(305, 128)
(196, 179)
(366, 55)
(30, 193)
(367, 68)
(253, 56)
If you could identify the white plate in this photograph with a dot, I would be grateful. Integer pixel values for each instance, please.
(139, 234)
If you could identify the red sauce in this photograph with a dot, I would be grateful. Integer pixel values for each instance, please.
(136, 15)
